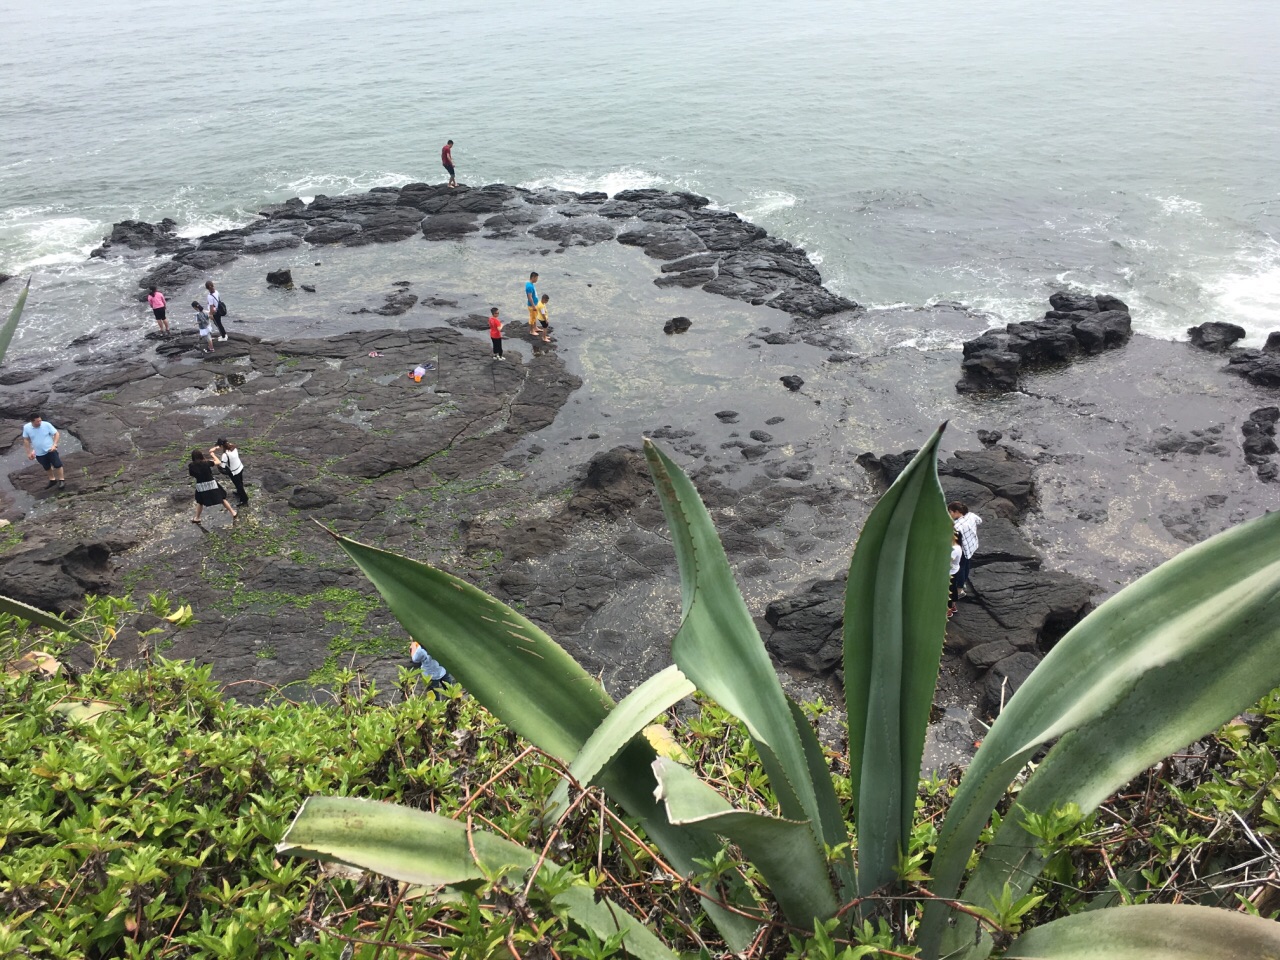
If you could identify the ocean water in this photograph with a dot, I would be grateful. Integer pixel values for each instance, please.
(987, 153)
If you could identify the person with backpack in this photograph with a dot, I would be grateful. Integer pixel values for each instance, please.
(217, 309)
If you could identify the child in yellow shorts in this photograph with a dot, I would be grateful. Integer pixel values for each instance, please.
(543, 326)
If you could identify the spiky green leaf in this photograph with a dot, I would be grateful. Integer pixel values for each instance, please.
(531, 683)
(1152, 932)
(782, 850)
(1163, 662)
(894, 621)
(418, 847)
(636, 711)
(38, 617)
(11, 325)
(719, 648)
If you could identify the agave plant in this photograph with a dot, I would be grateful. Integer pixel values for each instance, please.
(1162, 663)
(10, 325)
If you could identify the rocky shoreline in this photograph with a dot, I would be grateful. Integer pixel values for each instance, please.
(525, 477)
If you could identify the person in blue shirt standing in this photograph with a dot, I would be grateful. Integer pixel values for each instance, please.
(41, 440)
(531, 300)
(437, 676)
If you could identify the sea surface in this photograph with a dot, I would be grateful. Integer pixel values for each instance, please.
(987, 153)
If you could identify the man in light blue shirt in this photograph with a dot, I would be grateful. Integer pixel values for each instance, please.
(437, 676)
(41, 440)
(531, 301)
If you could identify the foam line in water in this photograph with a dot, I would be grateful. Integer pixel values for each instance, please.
(614, 181)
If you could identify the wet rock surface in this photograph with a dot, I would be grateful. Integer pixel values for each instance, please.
(526, 477)
(1013, 610)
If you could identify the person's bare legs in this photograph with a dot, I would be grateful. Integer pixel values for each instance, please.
(227, 504)
(199, 510)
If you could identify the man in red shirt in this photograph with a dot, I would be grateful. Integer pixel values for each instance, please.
(446, 158)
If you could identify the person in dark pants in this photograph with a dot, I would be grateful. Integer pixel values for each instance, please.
(216, 310)
(208, 492)
(434, 672)
(446, 160)
(41, 437)
(227, 457)
(495, 333)
(966, 523)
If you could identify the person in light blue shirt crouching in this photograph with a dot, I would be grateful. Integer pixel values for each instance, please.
(437, 676)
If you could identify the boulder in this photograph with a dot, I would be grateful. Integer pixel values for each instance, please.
(280, 278)
(1073, 302)
(613, 484)
(1215, 335)
(1077, 326)
(579, 232)
(448, 226)
(808, 628)
(677, 325)
(1005, 677)
(56, 576)
(792, 382)
(887, 467)
(333, 232)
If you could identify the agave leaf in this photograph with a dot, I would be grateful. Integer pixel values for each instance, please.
(782, 850)
(719, 648)
(531, 684)
(418, 847)
(894, 621)
(1151, 932)
(832, 822)
(38, 617)
(653, 697)
(11, 325)
(1165, 661)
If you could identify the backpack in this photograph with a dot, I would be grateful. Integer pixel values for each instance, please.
(221, 310)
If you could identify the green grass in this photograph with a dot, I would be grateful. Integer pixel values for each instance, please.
(150, 831)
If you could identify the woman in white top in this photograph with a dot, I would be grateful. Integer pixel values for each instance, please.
(227, 457)
(957, 555)
(214, 301)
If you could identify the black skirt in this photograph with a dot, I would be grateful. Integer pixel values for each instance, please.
(211, 498)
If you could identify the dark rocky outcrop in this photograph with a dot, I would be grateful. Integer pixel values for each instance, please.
(137, 237)
(1014, 610)
(701, 246)
(1259, 443)
(56, 576)
(1261, 367)
(792, 382)
(280, 278)
(1076, 326)
(677, 325)
(1215, 336)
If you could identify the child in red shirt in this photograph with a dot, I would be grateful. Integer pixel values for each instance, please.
(495, 333)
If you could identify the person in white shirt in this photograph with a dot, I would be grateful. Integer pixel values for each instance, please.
(966, 523)
(214, 301)
(227, 457)
(957, 556)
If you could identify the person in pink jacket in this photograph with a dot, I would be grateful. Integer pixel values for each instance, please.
(156, 299)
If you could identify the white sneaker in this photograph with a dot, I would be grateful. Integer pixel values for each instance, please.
(223, 338)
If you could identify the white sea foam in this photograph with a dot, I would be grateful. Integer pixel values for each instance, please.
(1250, 295)
(44, 241)
(203, 227)
(614, 181)
(763, 203)
(331, 184)
(1174, 204)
